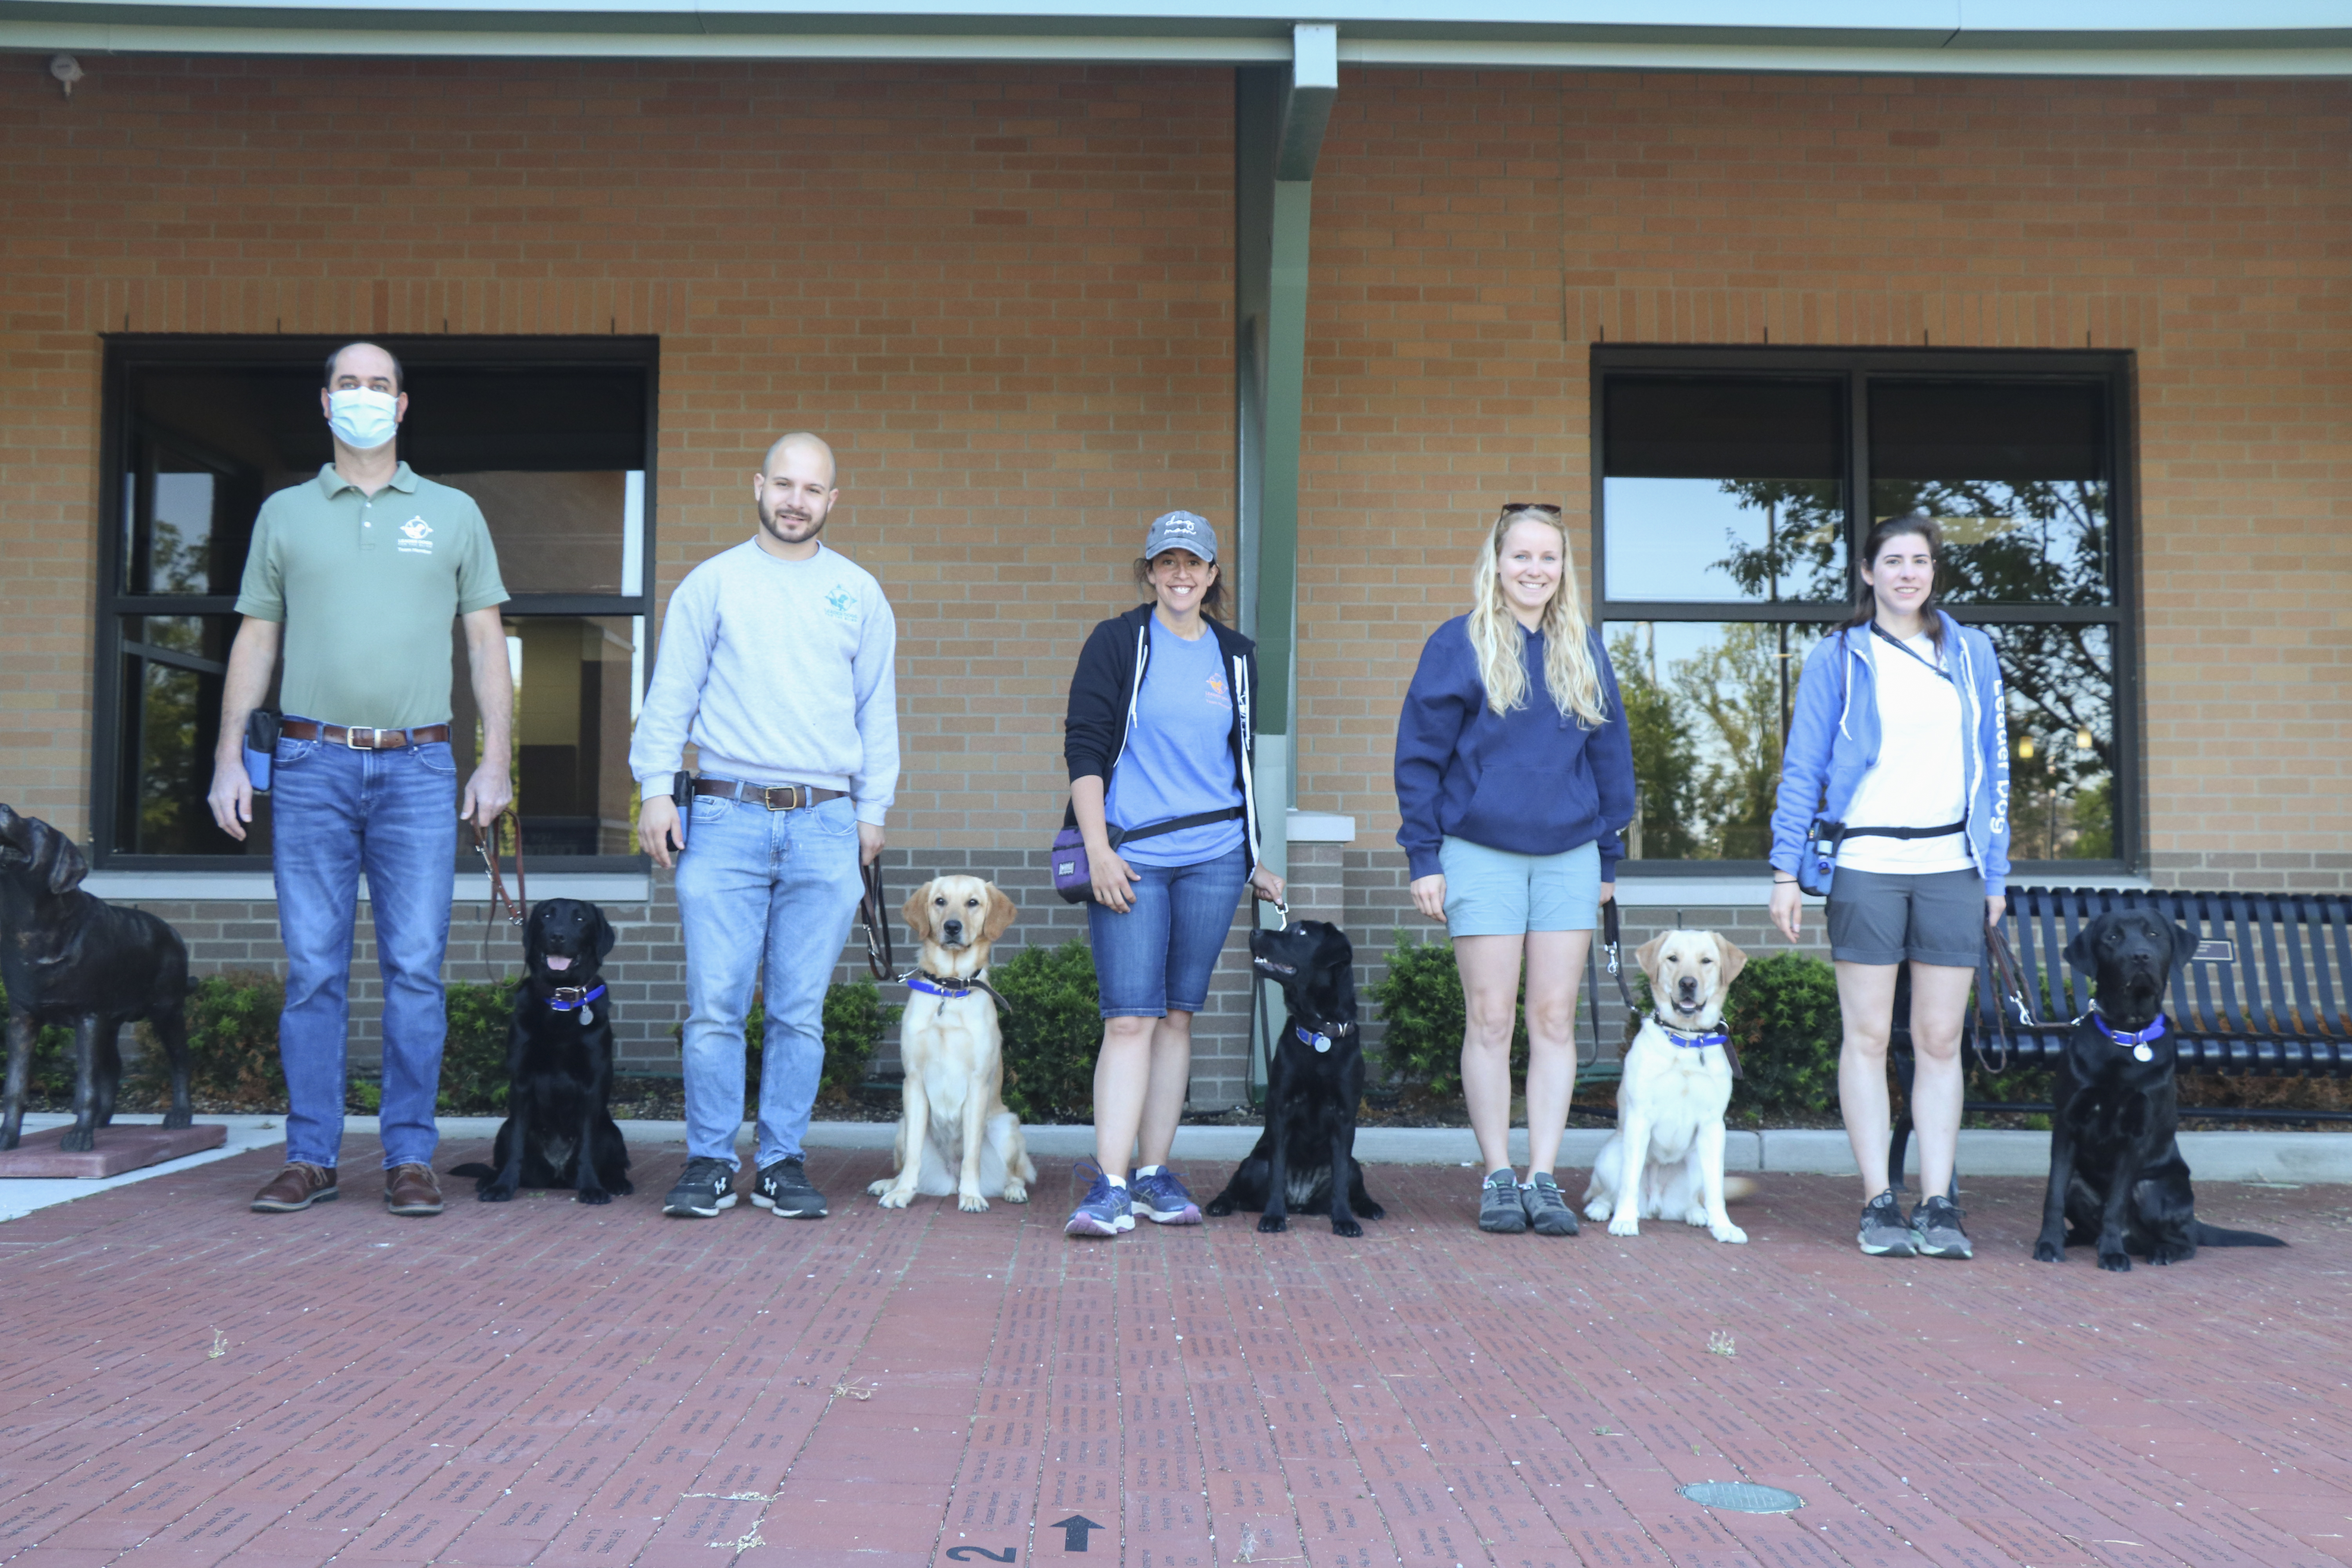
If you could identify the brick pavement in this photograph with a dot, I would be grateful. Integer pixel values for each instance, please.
(544, 1383)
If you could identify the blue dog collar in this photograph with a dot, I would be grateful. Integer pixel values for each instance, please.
(2138, 1042)
(567, 998)
(918, 981)
(1686, 1039)
(1309, 1037)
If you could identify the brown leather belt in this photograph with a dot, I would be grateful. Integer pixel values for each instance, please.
(776, 797)
(360, 739)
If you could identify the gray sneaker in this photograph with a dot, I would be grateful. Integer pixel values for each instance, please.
(1885, 1233)
(1936, 1226)
(1499, 1208)
(1548, 1212)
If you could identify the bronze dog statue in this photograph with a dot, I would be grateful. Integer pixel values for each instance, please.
(72, 959)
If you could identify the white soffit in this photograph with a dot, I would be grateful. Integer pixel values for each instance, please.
(2088, 37)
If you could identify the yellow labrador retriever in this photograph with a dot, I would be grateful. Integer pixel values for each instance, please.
(1665, 1159)
(954, 1118)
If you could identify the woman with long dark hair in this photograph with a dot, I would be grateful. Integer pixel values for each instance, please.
(1898, 760)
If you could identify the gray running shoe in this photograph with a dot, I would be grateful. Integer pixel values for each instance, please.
(1499, 1208)
(1936, 1224)
(1885, 1233)
(1106, 1210)
(1548, 1212)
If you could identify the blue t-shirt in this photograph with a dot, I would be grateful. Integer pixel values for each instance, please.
(1180, 758)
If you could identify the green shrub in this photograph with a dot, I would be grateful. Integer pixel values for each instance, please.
(474, 1059)
(232, 1043)
(52, 1074)
(1053, 1031)
(1422, 1016)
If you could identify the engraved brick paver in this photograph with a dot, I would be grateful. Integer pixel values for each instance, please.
(539, 1383)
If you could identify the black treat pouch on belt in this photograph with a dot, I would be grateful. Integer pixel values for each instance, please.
(260, 746)
(1817, 861)
(681, 796)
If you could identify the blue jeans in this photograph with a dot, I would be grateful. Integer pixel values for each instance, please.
(752, 882)
(334, 812)
(1157, 958)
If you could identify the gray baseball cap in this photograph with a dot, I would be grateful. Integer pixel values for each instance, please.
(1181, 530)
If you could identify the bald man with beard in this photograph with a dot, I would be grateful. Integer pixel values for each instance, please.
(776, 661)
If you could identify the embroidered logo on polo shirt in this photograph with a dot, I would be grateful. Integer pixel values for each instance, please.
(416, 537)
(841, 605)
(1217, 698)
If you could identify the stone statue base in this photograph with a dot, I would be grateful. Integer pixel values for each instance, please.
(119, 1149)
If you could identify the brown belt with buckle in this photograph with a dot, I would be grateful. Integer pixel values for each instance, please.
(776, 797)
(360, 739)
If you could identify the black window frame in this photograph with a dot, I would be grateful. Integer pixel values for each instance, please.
(125, 351)
(2116, 369)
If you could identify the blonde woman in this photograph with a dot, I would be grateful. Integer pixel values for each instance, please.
(1514, 774)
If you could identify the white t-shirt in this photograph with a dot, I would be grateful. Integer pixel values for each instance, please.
(1918, 779)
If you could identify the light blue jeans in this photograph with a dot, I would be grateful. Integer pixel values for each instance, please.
(334, 813)
(753, 883)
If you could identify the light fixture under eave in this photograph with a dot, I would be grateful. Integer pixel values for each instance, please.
(68, 70)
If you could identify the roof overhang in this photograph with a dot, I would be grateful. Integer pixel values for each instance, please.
(2073, 38)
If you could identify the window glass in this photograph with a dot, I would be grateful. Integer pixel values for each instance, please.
(1707, 703)
(556, 456)
(2017, 475)
(1724, 489)
(2060, 686)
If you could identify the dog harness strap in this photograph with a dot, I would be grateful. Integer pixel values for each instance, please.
(952, 990)
(1690, 1041)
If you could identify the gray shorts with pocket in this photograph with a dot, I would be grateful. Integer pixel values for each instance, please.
(1884, 917)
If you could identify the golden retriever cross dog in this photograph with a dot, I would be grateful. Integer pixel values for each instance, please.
(1665, 1159)
(954, 1118)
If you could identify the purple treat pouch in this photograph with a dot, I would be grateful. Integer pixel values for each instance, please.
(1073, 879)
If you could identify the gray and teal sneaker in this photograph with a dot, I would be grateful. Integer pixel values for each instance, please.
(1499, 1208)
(1548, 1212)
(1159, 1196)
(1885, 1233)
(1105, 1211)
(1935, 1230)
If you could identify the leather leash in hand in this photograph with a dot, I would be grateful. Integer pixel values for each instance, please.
(874, 914)
(486, 844)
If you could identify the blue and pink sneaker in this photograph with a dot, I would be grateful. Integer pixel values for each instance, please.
(1159, 1196)
(1104, 1211)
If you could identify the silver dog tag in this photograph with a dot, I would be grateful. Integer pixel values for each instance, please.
(2142, 1054)
(588, 1017)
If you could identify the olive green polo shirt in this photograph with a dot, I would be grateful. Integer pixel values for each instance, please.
(366, 587)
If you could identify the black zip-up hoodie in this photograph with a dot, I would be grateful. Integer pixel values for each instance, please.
(1103, 693)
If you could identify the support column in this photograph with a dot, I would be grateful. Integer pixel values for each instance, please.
(1279, 119)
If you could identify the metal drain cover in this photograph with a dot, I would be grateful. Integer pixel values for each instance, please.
(1742, 1497)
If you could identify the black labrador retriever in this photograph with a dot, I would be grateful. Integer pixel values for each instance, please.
(75, 959)
(1312, 1089)
(2116, 1177)
(559, 1131)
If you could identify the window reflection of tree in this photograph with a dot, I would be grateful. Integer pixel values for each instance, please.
(1706, 732)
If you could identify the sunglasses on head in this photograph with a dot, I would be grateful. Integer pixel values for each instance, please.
(1542, 505)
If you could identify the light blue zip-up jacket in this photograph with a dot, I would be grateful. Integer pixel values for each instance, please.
(1833, 738)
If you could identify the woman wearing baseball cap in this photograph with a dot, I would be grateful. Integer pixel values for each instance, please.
(1157, 740)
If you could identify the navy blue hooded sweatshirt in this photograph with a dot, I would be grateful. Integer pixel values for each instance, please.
(1534, 781)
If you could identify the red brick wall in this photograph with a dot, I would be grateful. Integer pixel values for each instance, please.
(1477, 232)
(1004, 294)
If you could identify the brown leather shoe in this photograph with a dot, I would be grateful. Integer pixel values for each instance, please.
(410, 1190)
(298, 1186)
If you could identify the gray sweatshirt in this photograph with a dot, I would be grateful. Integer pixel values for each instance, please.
(783, 669)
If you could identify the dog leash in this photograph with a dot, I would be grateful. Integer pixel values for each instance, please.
(872, 914)
(1608, 944)
(486, 844)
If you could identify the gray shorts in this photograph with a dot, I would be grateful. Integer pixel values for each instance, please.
(1882, 917)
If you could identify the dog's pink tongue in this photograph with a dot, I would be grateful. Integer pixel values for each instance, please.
(557, 961)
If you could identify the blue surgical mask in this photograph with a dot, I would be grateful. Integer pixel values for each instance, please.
(363, 419)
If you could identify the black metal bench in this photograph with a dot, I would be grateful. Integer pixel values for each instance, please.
(2268, 993)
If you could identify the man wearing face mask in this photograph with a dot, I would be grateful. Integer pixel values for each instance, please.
(776, 655)
(355, 576)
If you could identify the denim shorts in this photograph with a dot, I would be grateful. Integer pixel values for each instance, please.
(1885, 916)
(1493, 892)
(1157, 958)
